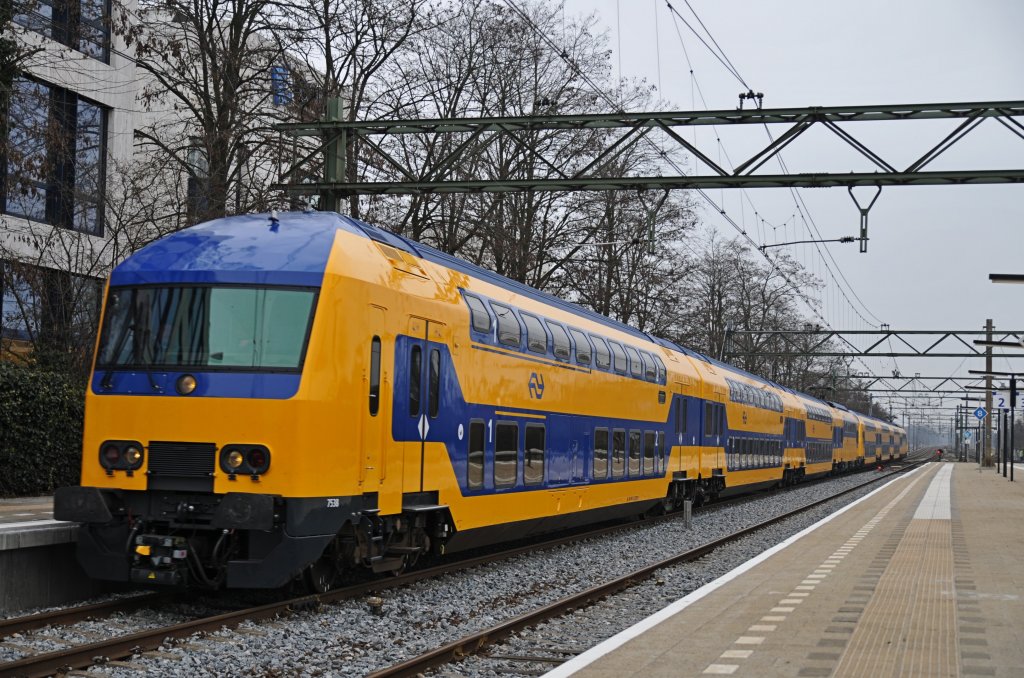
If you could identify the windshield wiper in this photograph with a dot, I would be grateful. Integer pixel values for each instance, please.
(106, 384)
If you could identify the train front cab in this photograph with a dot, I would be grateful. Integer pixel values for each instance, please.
(209, 471)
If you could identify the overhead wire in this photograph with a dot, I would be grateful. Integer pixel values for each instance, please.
(695, 84)
(701, 192)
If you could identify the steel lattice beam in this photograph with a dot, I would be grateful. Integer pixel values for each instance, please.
(474, 135)
(935, 348)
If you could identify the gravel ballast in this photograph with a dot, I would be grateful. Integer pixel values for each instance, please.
(349, 639)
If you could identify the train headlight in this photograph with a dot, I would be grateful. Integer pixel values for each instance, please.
(110, 456)
(121, 455)
(133, 457)
(186, 384)
(244, 459)
(259, 459)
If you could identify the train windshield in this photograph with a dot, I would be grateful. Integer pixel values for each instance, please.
(211, 327)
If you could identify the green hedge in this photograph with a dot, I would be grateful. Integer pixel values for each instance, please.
(41, 416)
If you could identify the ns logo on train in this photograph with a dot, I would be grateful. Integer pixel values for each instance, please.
(536, 385)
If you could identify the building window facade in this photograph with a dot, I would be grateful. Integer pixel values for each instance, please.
(56, 157)
(82, 25)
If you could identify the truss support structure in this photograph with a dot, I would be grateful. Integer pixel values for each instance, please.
(388, 172)
(801, 342)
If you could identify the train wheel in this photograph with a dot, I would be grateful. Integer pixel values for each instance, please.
(321, 576)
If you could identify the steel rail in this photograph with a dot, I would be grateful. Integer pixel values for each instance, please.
(82, 656)
(71, 615)
(474, 642)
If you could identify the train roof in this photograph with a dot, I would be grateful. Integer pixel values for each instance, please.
(247, 249)
(292, 248)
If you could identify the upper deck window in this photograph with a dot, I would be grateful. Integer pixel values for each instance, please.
(620, 357)
(583, 355)
(604, 358)
(559, 340)
(536, 337)
(211, 327)
(509, 331)
(479, 316)
(635, 365)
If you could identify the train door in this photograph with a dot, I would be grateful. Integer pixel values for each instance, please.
(423, 365)
(675, 460)
(382, 452)
(577, 450)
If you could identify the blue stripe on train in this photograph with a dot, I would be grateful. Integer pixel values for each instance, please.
(568, 437)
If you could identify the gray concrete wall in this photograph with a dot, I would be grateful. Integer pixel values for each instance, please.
(38, 568)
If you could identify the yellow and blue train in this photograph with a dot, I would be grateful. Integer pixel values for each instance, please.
(304, 394)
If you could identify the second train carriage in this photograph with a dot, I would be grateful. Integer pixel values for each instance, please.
(308, 393)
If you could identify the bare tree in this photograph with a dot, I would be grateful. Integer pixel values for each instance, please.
(345, 47)
(215, 70)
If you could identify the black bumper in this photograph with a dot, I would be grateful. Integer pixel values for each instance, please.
(282, 536)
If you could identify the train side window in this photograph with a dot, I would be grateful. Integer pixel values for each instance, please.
(536, 337)
(604, 357)
(662, 370)
(618, 452)
(509, 331)
(480, 319)
(415, 376)
(434, 381)
(634, 453)
(650, 444)
(682, 410)
(711, 421)
(600, 462)
(650, 367)
(506, 454)
(374, 376)
(559, 341)
(583, 352)
(620, 357)
(475, 458)
(636, 366)
(533, 455)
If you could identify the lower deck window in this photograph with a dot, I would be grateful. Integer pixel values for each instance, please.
(506, 454)
(649, 443)
(634, 453)
(533, 455)
(618, 452)
(600, 470)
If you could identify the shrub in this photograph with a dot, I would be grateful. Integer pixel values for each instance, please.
(41, 414)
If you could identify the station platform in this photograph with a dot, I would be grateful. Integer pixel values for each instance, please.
(922, 577)
(37, 557)
(25, 509)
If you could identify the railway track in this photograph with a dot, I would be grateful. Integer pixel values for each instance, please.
(474, 643)
(89, 654)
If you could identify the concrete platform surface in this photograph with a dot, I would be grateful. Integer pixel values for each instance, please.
(24, 509)
(923, 577)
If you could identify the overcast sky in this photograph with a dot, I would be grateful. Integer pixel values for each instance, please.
(931, 248)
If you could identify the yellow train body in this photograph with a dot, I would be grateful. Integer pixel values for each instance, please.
(404, 427)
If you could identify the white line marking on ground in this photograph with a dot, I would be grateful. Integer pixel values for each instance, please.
(935, 504)
(601, 649)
